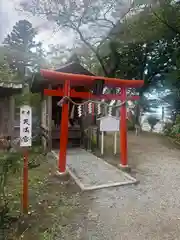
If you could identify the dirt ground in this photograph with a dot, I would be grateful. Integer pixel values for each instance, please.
(149, 210)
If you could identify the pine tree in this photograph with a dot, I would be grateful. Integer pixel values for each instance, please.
(22, 36)
(21, 41)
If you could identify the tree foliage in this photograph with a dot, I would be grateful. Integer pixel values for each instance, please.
(147, 47)
(136, 41)
(22, 36)
(88, 20)
(22, 51)
(6, 74)
(21, 40)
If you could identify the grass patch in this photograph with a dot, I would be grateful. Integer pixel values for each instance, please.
(51, 202)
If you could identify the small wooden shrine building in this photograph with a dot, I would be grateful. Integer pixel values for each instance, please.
(74, 84)
(51, 111)
(7, 107)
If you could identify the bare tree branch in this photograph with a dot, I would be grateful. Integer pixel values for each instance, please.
(69, 15)
(93, 50)
(175, 30)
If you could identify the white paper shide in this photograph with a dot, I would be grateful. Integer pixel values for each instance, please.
(25, 126)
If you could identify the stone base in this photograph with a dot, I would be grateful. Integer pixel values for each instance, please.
(124, 168)
(64, 176)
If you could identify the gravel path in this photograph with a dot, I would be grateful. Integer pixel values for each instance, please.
(149, 210)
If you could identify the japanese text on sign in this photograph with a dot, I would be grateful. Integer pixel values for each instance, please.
(25, 126)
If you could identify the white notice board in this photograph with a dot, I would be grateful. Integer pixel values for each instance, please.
(25, 126)
(109, 124)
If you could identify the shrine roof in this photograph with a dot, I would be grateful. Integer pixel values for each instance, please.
(74, 68)
(10, 88)
(78, 76)
(39, 83)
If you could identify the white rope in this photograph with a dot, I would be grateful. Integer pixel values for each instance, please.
(91, 101)
(72, 112)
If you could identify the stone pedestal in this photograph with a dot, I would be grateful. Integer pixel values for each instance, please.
(124, 168)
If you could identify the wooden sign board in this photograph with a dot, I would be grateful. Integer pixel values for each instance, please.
(25, 126)
(109, 124)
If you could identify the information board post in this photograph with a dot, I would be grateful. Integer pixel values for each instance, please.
(25, 143)
(115, 143)
(102, 143)
(109, 124)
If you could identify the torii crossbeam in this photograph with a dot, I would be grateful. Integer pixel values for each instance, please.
(69, 80)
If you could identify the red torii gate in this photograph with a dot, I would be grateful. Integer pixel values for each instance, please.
(68, 80)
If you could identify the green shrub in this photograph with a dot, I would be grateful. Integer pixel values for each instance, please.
(173, 130)
(10, 164)
(167, 128)
(130, 125)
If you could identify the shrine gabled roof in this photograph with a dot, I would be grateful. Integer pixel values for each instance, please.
(39, 82)
(74, 68)
(78, 76)
(10, 88)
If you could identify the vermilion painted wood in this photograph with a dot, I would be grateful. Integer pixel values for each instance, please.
(25, 183)
(64, 130)
(123, 131)
(86, 95)
(83, 79)
(54, 93)
(68, 80)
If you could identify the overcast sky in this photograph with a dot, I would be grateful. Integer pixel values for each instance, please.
(9, 16)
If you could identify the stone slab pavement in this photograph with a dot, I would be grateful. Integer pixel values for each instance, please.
(91, 172)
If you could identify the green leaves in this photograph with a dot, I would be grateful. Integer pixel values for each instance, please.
(143, 2)
(22, 36)
(10, 163)
(21, 50)
(6, 74)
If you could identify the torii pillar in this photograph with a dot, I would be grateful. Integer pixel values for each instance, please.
(64, 130)
(123, 133)
(66, 91)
